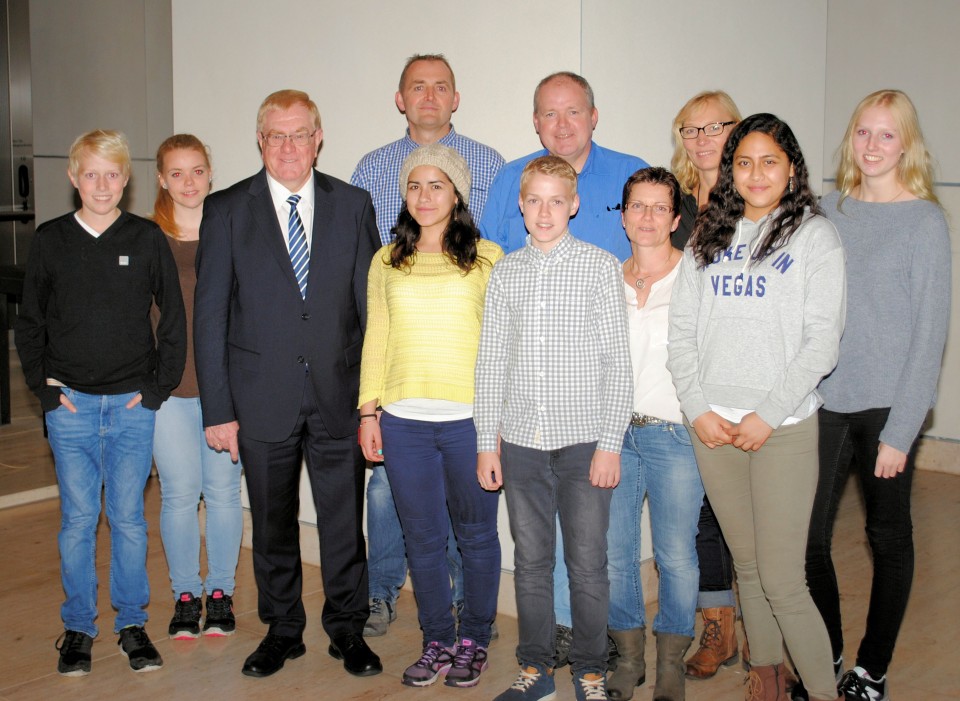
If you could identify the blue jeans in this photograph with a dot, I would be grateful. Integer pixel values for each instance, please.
(849, 442)
(626, 596)
(432, 466)
(104, 447)
(386, 554)
(539, 485)
(657, 461)
(189, 469)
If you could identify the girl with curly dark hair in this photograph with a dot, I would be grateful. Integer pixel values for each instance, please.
(755, 323)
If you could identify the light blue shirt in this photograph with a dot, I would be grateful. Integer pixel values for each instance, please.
(600, 186)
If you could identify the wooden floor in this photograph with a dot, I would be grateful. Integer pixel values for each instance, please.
(25, 460)
(926, 665)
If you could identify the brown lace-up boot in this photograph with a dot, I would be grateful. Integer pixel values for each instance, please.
(718, 644)
(767, 683)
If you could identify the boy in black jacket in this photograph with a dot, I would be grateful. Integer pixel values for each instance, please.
(89, 353)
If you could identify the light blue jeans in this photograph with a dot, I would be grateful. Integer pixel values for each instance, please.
(657, 461)
(189, 469)
(103, 448)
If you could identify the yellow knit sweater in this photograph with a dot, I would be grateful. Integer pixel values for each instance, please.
(423, 327)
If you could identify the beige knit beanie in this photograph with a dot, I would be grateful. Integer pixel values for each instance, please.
(444, 158)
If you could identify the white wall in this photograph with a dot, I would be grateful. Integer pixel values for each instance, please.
(922, 62)
(107, 63)
(98, 65)
(646, 59)
(348, 57)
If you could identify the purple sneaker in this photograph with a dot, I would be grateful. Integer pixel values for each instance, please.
(435, 660)
(468, 664)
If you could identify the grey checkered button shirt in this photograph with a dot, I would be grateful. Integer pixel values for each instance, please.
(553, 369)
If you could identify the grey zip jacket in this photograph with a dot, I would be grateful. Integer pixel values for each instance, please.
(758, 334)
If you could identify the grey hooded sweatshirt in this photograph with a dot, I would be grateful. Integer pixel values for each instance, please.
(758, 334)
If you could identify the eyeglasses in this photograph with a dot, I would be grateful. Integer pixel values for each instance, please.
(658, 210)
(709, 130)
(276, 140)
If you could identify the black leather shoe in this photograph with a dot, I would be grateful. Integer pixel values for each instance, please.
(358, 658)
(270, 655)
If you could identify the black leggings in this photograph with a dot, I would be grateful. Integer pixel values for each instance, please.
(849, 442)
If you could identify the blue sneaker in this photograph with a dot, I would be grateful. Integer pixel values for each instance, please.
(435, 660)
(534, 683)
(590, 686)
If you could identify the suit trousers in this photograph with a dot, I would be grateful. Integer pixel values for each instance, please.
(335, 467)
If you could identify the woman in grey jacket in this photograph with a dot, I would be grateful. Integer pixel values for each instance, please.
(898, 264)
(755, 323)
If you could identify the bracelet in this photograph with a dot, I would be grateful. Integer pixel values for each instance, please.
(368, 416)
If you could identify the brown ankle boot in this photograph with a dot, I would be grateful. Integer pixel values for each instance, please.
(790, 678)
(718, 644)
(671, 648)
(631, 669)
(767, 683)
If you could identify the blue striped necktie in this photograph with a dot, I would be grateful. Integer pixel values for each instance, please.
(299, 253)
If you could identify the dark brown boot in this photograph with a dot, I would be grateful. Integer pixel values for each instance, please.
(670, 668)
(718, 644)
(631, 669)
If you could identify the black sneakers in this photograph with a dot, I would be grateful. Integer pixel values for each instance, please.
(220, 619)
(137, 648)
(858, 685)
(185, 624)
(74, 653)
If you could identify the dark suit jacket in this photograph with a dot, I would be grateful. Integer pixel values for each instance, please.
(254, 334)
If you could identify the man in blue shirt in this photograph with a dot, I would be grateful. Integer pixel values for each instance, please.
(427, 96)
(565, 116)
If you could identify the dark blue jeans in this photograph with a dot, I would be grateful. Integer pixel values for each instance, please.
(386, 553)
(432, 469)
(849, 442)
(539, 484)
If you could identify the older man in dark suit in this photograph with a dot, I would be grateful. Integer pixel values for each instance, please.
(278, 326)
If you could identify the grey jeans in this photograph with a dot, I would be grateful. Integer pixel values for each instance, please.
(539, 484)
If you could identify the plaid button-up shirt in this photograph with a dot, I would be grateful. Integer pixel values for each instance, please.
(553, 367)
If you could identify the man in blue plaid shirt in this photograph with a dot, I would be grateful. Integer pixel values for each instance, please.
(428, 97)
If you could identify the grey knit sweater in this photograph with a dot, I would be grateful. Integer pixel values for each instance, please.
(898, 309)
